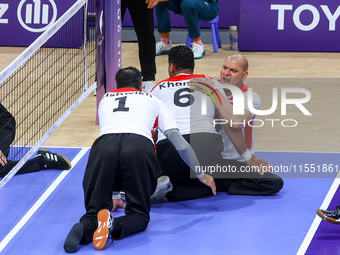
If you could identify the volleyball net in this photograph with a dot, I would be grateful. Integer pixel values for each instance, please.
(45, 83)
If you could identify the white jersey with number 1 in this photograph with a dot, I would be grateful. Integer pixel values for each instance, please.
(127, 110)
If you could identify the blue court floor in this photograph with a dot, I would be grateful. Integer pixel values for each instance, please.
(38, 210)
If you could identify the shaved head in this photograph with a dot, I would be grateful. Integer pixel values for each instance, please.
(239, 57)
(235, 69)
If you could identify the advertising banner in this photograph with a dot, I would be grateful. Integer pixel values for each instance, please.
(22, 21)
(286, 25)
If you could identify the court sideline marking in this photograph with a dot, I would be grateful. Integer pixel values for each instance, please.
(40, 201)
(317, 220)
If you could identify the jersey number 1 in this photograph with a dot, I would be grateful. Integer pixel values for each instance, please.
(121, 105)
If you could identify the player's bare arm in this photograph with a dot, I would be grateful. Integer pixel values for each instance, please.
(189, 157)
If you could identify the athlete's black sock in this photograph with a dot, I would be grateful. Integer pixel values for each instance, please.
(73, 238)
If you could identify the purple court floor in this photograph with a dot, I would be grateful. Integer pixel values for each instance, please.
(38, 210)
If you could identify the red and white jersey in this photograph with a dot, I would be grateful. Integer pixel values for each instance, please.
(127, 110)
(229, 151)
(194, 111)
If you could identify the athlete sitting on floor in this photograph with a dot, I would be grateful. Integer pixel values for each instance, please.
(43, 160)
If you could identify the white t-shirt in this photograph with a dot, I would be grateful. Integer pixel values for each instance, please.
(230, 151)
(193, 111)
(127, 110)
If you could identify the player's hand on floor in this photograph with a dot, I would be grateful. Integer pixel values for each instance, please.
(260, 165)
(3, 159)
(209, 181)
(117, 203)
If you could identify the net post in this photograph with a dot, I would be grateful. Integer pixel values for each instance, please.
(85, 42)
(109, 27)
(100, 52)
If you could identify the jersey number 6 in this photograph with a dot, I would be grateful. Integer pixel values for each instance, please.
(183, 98)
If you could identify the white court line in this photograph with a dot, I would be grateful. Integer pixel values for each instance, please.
(40, 201)
(317, 220)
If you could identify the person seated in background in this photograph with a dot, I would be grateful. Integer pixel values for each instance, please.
(193, 11)
(43, 160)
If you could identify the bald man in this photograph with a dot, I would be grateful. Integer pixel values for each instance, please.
(234, 71)
(237, 136)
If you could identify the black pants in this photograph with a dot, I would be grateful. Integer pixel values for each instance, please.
(142, 19)
(124, 162)
(32, 165)
(208, 148)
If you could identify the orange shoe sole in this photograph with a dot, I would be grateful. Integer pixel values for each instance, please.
(101, 235)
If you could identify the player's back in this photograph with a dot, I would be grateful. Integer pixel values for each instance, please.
(193, 110)
(128, 110)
